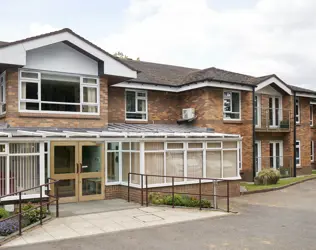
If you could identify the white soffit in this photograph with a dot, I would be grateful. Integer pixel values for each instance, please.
(177, 89)
(277, 82)
(16, 53)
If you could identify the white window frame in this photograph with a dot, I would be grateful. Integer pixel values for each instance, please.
(39, 101)
(298, 115)
(258, 109)
(312, 151)
(311, 115)
(299, 150)
(145, 98)
(231, 112)
(183, 150)
(3, 93)
(274, 111)
(258, 143)
(274, 153)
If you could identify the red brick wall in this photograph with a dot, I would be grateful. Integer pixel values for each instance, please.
(18, 119)
(162, 106)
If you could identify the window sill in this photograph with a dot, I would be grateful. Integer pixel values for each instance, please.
(233, 121)
(63, 116)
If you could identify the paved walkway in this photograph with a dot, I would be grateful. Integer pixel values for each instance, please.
(98, 223)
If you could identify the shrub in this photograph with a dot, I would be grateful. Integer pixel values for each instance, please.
(268, 177)
(33, 215)
(179, 200)
(4, 213)
(9, 226)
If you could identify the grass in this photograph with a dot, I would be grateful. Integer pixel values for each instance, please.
(281, 183)
(313, 171)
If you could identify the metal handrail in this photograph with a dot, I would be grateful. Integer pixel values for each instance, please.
(200, 194)
(20, 213)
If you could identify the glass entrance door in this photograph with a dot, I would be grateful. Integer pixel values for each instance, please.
(276, 154)
(275, 111)
(79, 167)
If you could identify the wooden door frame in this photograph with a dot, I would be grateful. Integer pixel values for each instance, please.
(77, 177)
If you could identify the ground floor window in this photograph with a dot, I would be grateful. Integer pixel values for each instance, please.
(298, 153)
(19, 167)
(181, 159)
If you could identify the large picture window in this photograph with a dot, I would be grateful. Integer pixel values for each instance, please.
(136, 105)
(231, 105)
(50, 92)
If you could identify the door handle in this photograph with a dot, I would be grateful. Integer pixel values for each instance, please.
(80, 168)
(77, 168)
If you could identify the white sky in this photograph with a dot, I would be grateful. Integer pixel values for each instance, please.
(255, 37)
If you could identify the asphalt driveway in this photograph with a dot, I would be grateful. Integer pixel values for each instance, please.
(283, 219)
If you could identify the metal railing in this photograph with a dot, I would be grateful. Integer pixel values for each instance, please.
(50, 198)
(147, 188)
(282, 163)
(273, 119)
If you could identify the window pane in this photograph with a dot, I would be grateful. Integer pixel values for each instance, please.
(230, 144)
(136, 116)
(59, 88)
(89, 80)
(89, 109)
(174, 145)
(227, 105)
(89, 95)
(154, 164)
(195, 164)
(125, 165)
(135, 166)
(141, 105)
(213, 164)
(3, 170)
(230, 163)
(125, 146)
(141, 94)
(195, 145)
(214, 145)
(113, 146)
(60, 107)
(29, 106)
(134, 145)
(175, 165)
(130, 101)
(29, 75)
(235, 102)
(113, 166)
(29, 90)
(154, 146)
(23, 148)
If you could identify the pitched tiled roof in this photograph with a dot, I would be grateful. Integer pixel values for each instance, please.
(302, 90)
(155, 73)
(2, 43)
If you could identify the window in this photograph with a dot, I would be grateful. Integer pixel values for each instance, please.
(2, 93)
(113, 166)
(130, 161)
(297, 110)
(231, 105)
(298, 153)
(50, 92)
(136, 105)
(257, 111)
(312, 151)
(311, 114)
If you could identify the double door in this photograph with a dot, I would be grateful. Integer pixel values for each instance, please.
(79, 167)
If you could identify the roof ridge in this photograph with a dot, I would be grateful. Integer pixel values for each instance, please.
(163, 64)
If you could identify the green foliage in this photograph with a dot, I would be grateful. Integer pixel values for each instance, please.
(267, 176)
(4, 213)
(179, 200)
(33, 215)
(121, 55)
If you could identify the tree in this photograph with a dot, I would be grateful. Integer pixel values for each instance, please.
(121, 55)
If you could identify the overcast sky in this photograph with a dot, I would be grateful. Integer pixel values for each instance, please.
(255, 37)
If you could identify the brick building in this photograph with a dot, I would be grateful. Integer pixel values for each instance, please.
(72, 112)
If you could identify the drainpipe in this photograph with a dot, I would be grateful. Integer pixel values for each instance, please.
(253, 135)
(294, 135)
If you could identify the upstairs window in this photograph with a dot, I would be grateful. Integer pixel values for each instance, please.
(311, 116)
(136, 105)
(297, 110)
(49, 92)
(2, 93)
(231, 105)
